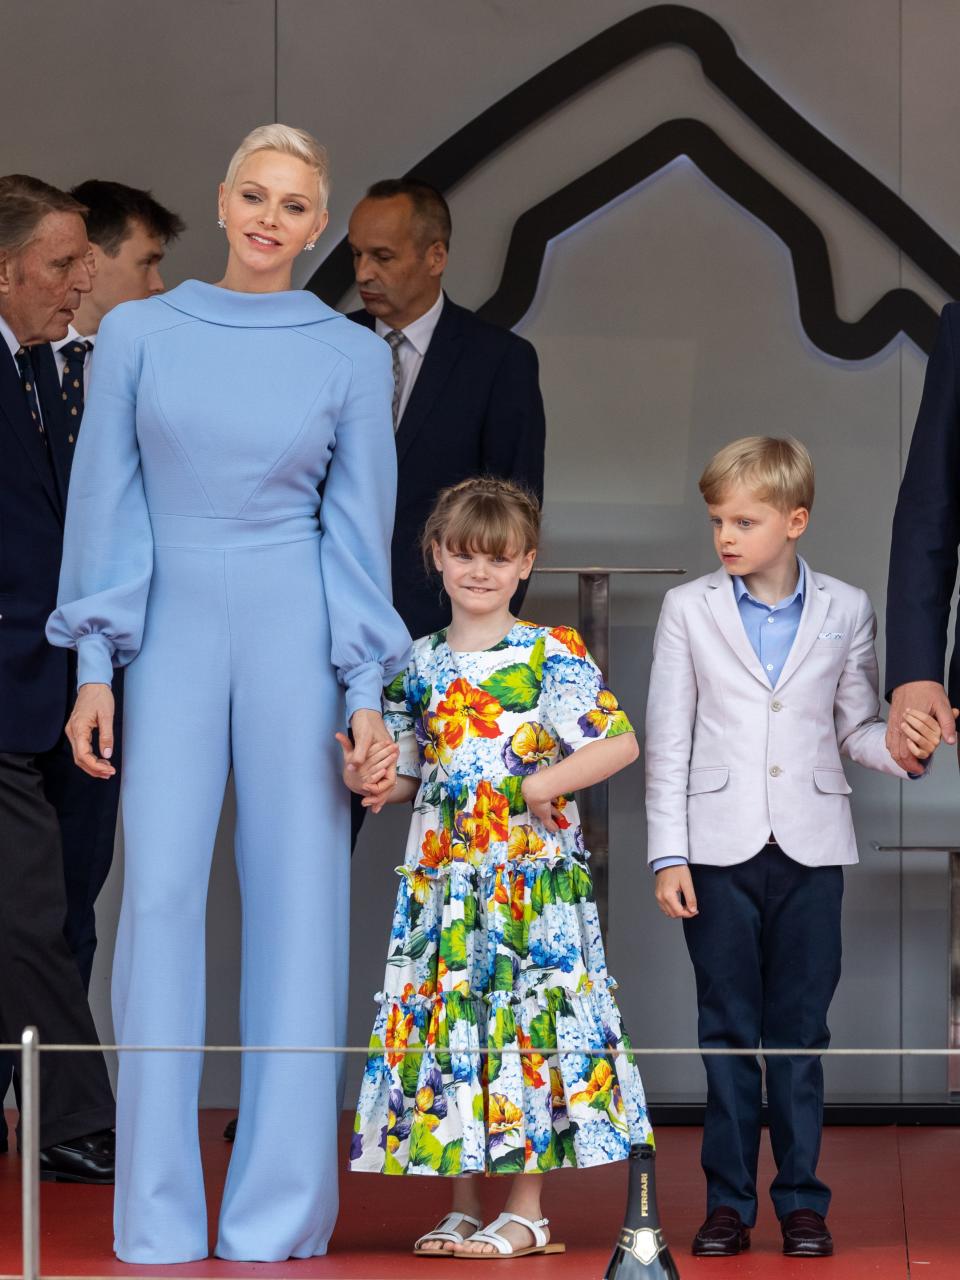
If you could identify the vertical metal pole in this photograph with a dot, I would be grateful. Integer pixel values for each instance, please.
(594, 803)
(30, 1145)
(953, 1038)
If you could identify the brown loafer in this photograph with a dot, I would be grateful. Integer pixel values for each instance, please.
(805, 1235)
(723, 1235)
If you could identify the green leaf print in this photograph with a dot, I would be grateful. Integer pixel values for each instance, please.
(410, 1073)
(450, 1160)
(581, 883)
(512, 1162)
(536, 657)
(429, 798)
(564, 885)
(618, 724)
(543, 1033)
(552, 1158)
(478, 1108)
(395, 691)
(566, 1138)
(516, 687)
(512, 788)
(425, 696)
(416, 946)
(516, 933)
(392, 1165)
(503, 973)
(453, 946)
(470, 912)
(426, 1151)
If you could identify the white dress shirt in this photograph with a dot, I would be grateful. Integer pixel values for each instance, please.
(73, 336)
(9, 337)
(416, 340)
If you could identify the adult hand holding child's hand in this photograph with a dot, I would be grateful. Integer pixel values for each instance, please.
(929, 699)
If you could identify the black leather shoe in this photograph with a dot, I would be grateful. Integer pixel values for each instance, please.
(87, 1159)
(805, 1235)
(723, 1235)
(230, 1132)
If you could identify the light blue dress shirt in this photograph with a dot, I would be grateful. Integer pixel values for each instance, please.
(771, 630)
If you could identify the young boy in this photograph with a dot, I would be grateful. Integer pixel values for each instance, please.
(763, 673)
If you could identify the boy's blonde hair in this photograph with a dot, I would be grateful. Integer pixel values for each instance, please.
(485, 514)
(777, 471)
(289, 142)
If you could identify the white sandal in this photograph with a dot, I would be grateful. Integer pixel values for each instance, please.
(448, 1233)
(504, 1249)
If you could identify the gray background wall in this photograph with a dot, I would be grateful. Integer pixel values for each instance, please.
(665, 327)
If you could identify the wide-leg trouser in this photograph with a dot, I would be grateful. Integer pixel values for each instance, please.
(234, 671)
(765, 947)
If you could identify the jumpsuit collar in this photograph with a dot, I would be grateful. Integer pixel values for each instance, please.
(247, 310)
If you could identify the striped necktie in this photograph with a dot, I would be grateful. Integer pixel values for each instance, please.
(395, 337)
(71, 384)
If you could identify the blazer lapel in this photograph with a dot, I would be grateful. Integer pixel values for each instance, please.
(437, 364)
(723, 605)
(816, 605)
(13, 406)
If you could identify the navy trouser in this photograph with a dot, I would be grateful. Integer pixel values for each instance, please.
(766, 951)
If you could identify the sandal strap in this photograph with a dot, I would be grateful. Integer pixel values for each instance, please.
(490, 1234)
(446, 1229)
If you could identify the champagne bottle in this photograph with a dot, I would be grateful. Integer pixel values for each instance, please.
(641, 1252)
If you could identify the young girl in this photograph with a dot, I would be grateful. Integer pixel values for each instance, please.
(495, 941)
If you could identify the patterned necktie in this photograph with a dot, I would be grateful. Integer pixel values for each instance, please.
(395, 337)
(29, 383)
(71, 384)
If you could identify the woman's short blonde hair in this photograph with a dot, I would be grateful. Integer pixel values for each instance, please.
(289, 142)
(777, 471)
(484, 514)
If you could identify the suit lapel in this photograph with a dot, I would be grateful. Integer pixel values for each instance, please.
(13, 407)
(723, 605)
(436, 368)
(816, 605)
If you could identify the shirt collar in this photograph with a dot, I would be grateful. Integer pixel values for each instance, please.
(9, 337)
(419, 332)
(72, 336)
(740, 591)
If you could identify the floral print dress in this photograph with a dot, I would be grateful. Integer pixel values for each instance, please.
(496, 941)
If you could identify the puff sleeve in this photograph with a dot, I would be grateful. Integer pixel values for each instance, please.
(370, 644)
(576, 701)
(108, 543)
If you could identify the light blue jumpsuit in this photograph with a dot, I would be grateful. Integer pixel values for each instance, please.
(194, 556)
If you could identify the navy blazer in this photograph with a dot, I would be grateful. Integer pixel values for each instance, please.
(475, 409)
(926, 527)
(35, 678)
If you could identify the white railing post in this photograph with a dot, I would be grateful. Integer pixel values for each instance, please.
(30, 1147)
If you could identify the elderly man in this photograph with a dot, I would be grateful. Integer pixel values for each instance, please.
(44, 273)
(923, 555)
(466, 393)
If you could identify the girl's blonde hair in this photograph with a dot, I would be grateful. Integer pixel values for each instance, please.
(494, 517)
(776, 471)
(289, 142)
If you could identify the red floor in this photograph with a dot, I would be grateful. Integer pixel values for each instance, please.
(896, 1216)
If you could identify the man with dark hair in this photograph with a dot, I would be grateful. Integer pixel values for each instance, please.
(128, 231)
(466, 394)
(44, 273)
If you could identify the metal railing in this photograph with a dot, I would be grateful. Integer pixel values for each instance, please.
(30, 1049)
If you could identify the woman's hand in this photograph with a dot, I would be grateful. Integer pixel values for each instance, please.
(540, 797)
(369, 735)
(93, 710)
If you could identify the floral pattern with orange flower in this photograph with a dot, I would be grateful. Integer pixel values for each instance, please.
(468, 710)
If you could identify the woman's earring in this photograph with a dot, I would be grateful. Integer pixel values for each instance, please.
(221, 224)
(310, 245)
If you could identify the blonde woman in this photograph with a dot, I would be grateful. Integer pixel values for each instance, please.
(253, 620)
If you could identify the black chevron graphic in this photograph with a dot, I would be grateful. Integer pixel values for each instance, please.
(900, 310)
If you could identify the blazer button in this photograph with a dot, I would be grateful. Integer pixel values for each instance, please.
(775, 771)
(776, 706)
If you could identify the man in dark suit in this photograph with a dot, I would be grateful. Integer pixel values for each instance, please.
(44, 272)
(923, 554)
(467, 397)
(128, 231)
